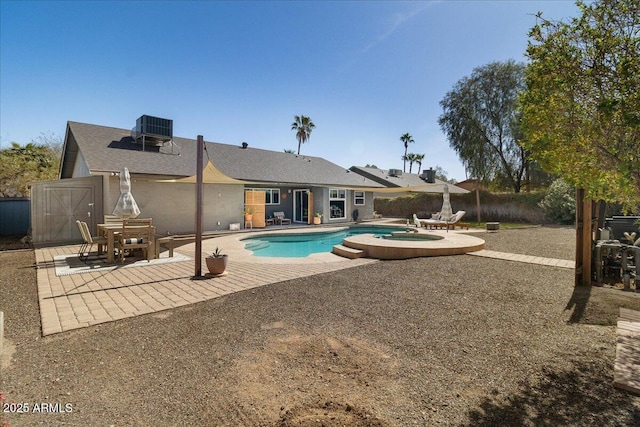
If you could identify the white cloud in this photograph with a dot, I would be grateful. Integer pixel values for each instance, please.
(396, 20)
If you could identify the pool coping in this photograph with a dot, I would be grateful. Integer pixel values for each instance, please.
(451, 243)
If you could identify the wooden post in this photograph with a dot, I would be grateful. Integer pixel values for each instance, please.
(584, 224)
(478, 199)
(199, 209)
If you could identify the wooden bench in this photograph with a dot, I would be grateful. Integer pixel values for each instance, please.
(167, 241)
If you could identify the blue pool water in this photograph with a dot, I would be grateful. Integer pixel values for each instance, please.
(305, 244)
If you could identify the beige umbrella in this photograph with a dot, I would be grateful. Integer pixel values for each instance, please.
(126, 206)
(446, 213)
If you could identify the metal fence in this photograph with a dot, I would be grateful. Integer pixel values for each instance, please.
(15, 215)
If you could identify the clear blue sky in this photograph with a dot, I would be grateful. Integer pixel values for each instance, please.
(365, 72)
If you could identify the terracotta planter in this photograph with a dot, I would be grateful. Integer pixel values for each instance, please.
(317, 220)
(248, 217)
(217, 265)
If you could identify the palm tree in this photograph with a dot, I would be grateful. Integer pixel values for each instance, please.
(411, 157)
(303, 127)
(406, 139)
(419, 159)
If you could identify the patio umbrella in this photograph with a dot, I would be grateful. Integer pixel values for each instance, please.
(446, 211)
(126, 206)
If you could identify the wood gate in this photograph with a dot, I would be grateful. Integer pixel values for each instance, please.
(56, 205)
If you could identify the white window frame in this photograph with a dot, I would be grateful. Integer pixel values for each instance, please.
(268, 192)
(337, 195)
(361, 198)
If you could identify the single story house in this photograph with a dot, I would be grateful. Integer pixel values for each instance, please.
(160, 166)
(398, 183)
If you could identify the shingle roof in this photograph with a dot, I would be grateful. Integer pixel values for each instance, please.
(109, 149)
(404, 180)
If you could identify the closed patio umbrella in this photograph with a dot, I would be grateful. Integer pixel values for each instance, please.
(126, 206)
(446, 211)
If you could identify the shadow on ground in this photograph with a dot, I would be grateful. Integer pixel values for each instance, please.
(592, 305)
(583, 396)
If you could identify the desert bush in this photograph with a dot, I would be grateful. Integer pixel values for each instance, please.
(559, 204)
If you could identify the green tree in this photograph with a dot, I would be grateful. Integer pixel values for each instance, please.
(20, 165)
(289, 151)
(441, 174)
(303, 127)
(559, 203)
(419, 159)
(482, 123)
(406, 140)
(414, 158)
(581, 108)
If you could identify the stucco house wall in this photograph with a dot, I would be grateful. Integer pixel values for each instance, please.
(173, 205)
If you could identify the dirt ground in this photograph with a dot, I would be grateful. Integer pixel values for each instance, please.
(462, 340)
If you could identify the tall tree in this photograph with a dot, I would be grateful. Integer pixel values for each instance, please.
(24, 164)
(419, 159)
(481, 120)
(581, 108)
(406, 140)
(411, 158)
(303, 127)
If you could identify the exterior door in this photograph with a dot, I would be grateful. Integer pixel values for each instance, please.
(56, 205)
(301, 210)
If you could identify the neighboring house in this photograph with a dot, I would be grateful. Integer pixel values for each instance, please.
(400, 183)
(297, 185)
(471, 185)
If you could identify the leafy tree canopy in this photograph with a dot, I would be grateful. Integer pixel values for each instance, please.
(581, 108)
(20, 165)
(481, 120)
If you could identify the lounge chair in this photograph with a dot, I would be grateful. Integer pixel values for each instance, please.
(449, 224)
(280, 219)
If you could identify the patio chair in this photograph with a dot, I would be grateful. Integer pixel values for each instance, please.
(112, 219)
(89, 241)
(279, 216)
(135, 237)
(449, 225)
(455, 220)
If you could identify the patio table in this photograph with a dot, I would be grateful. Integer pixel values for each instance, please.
(110, 230)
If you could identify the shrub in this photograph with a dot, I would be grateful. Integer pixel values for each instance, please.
(559, 204)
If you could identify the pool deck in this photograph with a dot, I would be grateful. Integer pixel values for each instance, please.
(74, 301)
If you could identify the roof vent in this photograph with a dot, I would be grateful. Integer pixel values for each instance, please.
(429, 175)
(395, 172)
(244, 145)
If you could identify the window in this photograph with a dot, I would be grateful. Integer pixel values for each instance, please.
(337, 199)
(358, 198)
(271, 195)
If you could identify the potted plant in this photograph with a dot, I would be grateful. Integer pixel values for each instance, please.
(248, 213)
(317, 218)
(217, 262)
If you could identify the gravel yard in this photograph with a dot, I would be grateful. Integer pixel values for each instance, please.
(462, 340)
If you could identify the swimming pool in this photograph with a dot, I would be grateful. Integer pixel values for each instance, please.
(304, 244)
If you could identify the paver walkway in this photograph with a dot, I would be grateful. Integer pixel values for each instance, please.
(626, 371)
(80, 300)
(553, 262)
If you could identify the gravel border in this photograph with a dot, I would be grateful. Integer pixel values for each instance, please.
(451, 340)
